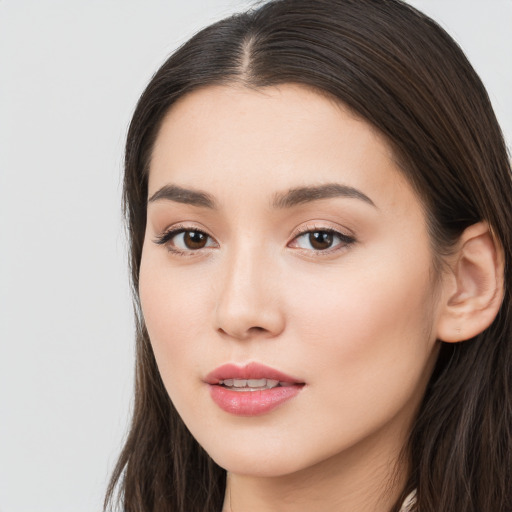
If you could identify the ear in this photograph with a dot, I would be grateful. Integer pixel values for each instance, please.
(473, 290)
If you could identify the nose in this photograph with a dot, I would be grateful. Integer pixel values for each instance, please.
(249, 304)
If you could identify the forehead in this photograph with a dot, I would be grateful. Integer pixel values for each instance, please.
(264, 140)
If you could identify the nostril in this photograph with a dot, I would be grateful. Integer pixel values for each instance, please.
(252, 331)
(242, 319)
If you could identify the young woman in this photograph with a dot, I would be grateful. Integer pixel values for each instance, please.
(319, 199)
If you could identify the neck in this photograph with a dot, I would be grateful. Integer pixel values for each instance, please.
(365, 478)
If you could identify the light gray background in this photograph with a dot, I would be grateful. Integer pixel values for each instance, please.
(70, 74)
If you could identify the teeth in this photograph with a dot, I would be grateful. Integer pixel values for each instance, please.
(256, 383)
(252, 384)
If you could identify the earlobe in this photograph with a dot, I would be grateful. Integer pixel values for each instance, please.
(473, 291)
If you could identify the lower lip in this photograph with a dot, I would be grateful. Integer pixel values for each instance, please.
(252, 403)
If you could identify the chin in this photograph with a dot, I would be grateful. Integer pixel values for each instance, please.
(258, 468)
(258, 461)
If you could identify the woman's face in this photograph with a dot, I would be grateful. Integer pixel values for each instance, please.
(283, 242)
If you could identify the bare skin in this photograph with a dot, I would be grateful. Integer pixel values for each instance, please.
(355, 319)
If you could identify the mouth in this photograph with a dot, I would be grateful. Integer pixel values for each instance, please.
(252, 384)
(252, 389)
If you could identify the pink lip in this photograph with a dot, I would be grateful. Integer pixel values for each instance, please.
(251, 403)
(249, 371)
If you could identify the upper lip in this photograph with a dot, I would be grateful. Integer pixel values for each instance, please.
(248, 371)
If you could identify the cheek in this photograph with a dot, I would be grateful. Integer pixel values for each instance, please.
(365, 337)
(368, 323)
(174, 312)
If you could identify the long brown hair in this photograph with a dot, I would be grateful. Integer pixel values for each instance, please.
(401, 72)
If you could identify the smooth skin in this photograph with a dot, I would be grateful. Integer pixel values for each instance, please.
(333, 285)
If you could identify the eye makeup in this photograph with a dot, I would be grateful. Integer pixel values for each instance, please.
(321, 239)
(317, 239)
(185, 240)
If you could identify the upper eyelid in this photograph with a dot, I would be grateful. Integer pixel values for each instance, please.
(320, 226)
(180, 227)
(347, 239)
(170, 232)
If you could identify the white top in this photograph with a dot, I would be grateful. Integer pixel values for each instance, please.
(409, 501)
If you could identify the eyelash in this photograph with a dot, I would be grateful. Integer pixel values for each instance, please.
(166, 237)
(344, 239)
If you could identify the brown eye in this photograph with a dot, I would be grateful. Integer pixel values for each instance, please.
(321, 240)
(186, 240)
(194, 239)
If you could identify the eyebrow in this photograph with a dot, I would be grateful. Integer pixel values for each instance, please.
(281, 200)
(301, 195)
(183, 195)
